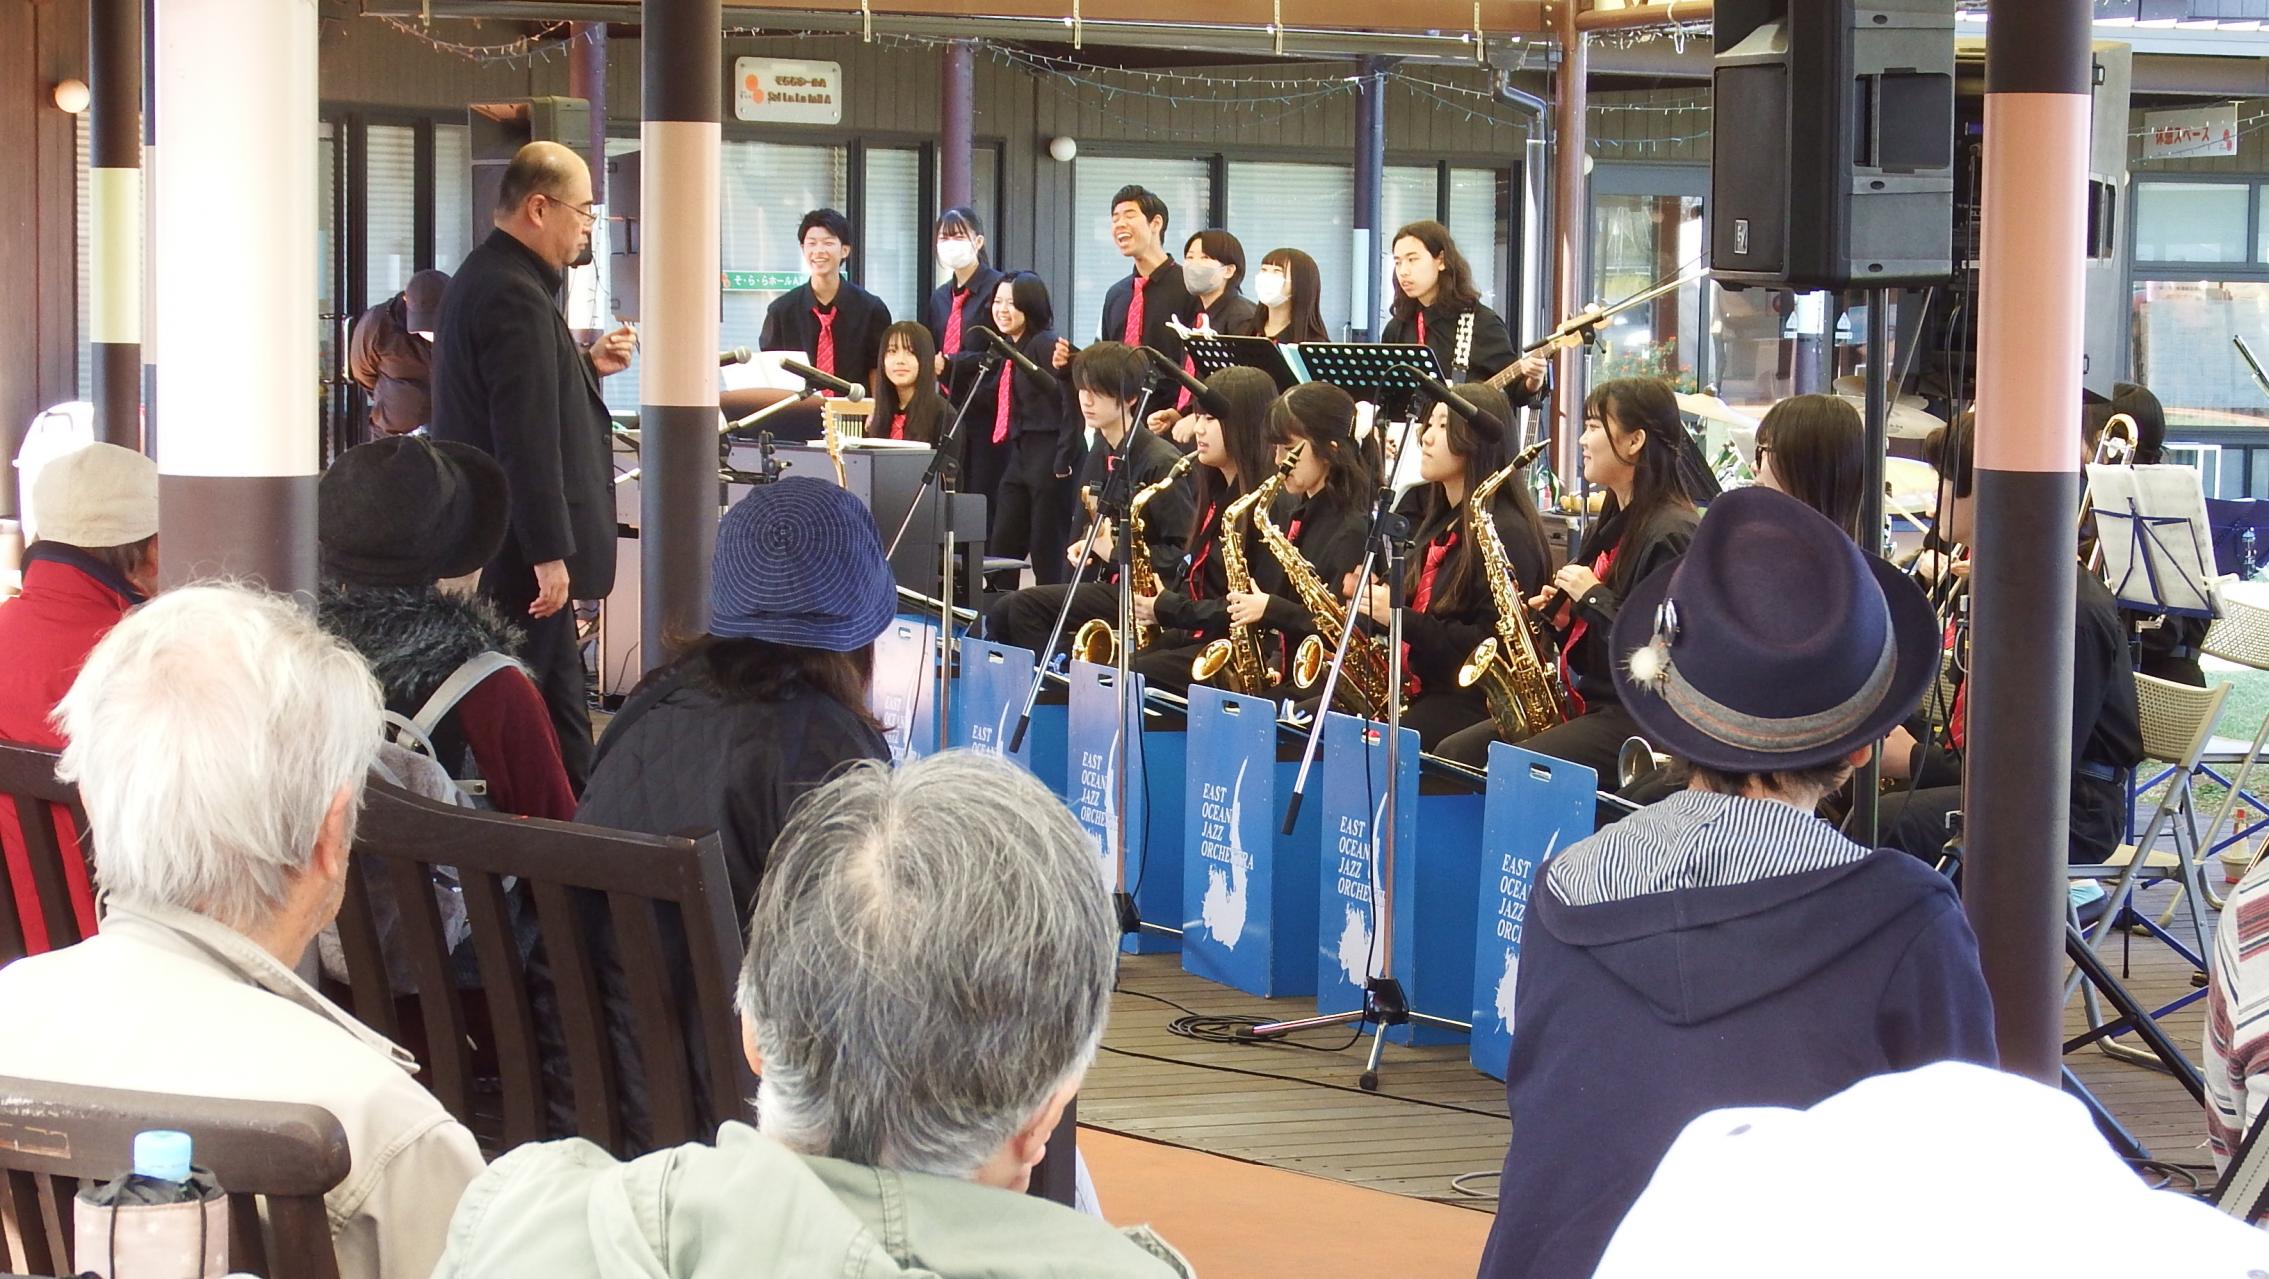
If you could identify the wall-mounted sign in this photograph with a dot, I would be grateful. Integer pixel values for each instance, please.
(784, 91)
(762, 281)
(2188, 135)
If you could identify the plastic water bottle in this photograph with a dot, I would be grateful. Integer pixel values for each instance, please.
(162, 1154)
(2251, 568)
(163, 1220)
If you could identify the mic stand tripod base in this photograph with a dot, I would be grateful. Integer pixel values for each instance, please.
(1384, 1006)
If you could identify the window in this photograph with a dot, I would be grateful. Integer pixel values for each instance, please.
(894, 241)
(1638, 240)
(620, 391)
(1301, 206)
(1413, 193)
(769, 186)
(453, 234)
(2191, 221)
(1185, 185)
(390, 202)
(1477, 199)
(2184, 354)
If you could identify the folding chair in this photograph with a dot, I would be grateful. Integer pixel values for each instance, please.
(2240, 636)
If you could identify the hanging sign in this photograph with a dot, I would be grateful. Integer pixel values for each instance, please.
(785, 91)
(2189, 135)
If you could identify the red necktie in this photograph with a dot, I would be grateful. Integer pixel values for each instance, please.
(1576, 628)
(952, 342)
(1134, 312)
(824, 357)
(1958, 721)
(1436, 551)
(1196, 580)
(898, 426)
(1000, 412)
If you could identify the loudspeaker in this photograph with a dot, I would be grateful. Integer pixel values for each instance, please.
(497, 130)
(1832, 143)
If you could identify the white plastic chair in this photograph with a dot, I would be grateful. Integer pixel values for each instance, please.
(2239, 636)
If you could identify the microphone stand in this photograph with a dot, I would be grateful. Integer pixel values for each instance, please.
(940, 474)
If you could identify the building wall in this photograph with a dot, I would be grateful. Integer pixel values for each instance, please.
(41, 42)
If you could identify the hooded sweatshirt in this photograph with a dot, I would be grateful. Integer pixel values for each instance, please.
(1710, 951)
(750, 1208)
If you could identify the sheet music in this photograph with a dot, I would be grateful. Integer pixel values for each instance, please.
(2158, 551)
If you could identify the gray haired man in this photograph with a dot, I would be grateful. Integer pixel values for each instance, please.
(927, 980)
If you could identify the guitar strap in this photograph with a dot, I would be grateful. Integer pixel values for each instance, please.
(1462, 353)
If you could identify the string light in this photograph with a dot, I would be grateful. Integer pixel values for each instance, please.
(540, 47)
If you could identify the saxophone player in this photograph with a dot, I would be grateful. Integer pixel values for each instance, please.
(1449, 607)
(1108, 379)
(1233, 458)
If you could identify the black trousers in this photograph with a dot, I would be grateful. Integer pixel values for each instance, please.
(1022, 618)
(1592, 740)
(553, 656)
(1032, 509)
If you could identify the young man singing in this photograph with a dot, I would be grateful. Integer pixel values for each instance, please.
(835, 323)
(1139, 307)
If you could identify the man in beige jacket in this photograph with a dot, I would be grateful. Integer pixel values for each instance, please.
(220, 741)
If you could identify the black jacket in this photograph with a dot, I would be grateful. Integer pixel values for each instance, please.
(1591, 664)
(1169, 517)
(1037, 405)
(680, 757)
(1492, 350)
(976, 309)
(1201, 604)
(510, 380)
(1233, 313)
(860, 318)
(1443, 636)
(1164, 298)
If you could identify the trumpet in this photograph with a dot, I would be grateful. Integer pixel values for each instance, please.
(1637, 762)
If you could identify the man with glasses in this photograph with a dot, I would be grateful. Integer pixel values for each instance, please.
(511, 380)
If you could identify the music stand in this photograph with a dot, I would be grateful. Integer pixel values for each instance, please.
(1212, 352)
(2164, 564)
(1369, 370)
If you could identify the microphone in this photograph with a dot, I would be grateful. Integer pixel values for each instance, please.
(1009, 350)
(1488, 425)
(851, 391)
(1208, 401)
(738, 355)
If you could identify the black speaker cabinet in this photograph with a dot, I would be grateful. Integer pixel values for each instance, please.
(1832, 143)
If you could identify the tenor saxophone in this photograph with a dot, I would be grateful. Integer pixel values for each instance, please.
(1095, 641)
(1363, 686)
(1523, 692)
(1240, 651)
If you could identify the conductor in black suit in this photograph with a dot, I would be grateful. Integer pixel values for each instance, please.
(511, 380)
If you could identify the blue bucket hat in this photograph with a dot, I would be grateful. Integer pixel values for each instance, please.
(1773, 644)
(799, 562)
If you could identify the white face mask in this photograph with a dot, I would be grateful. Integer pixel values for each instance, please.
(957, 254)
(1204, 276)
(1270, 288)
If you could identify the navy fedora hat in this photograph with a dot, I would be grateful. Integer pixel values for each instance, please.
(1774, 643)
(799, 562)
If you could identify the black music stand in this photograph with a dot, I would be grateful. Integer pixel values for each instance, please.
(1370, 370)
(1213, 352)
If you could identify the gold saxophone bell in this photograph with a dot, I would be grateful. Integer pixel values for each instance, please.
(1209, 661)
(1308, 663)
(1095, 643)
(1478, 662)
(1637, 762)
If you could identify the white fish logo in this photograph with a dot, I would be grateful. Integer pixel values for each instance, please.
(1223, 910)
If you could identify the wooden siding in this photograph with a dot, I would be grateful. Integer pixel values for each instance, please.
(41, 42)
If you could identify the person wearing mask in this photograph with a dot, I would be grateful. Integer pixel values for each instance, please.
(836, 324)
(510, 380)
(1107, 379)
(963, 302)
(95, 559)
(1289, 292)
(1141, 308)
(907, 403)
(1213, 267)
(1814, 448)
(1631, 447)
(1021, 442)
(1326, 515)
(390, 354)
(1233, 459)
(1449, 606)
(1438, 305)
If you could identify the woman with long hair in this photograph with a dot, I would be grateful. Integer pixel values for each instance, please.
(1814, 448)
(1448, 604)
(1288, 291)
(1632, 441)
(1233, 458)
(1438, 305)
(1019, 439)
(907, 403)
(964, 301)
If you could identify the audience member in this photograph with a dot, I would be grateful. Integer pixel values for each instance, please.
(2237, 1034)
(927, 978)
(1726, 946)
(1857, 1187)
(390, 354)
(394, 517)
(96, 557)
(220, 741)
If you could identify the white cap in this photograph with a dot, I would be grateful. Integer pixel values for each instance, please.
(96, 496)
(1882, 1180)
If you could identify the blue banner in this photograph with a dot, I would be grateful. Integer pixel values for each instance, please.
(1537, 806)
(1351, 788)
(1153, 864)
(1248, 892)
(989, 693)
(904, 693)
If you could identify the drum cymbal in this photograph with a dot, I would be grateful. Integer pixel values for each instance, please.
(1907, 420)
(1910, 485)
(1710, 408)
(1854, 388)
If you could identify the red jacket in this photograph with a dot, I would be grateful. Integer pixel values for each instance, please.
(69, 603)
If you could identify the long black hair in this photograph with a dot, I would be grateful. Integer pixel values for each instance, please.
(1244, 432)
(754, 670)
(925, 406)
(1030, 293)
(1324, 416)
(1640, 404)
(1456, 286)
(1459, 585)
(964, 219)
(1818, 449)
(1305, 322)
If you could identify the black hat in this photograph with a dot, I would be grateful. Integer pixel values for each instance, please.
(1773, 644)
(407, 511)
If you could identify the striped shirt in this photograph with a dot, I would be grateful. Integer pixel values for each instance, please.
(2237, 1017)
(1696, 839)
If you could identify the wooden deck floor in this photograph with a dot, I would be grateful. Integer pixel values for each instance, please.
(1436, 1118)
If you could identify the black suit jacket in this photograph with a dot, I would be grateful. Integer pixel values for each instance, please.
(860, 318)
(1492, 351)
(510, 380)
(976, 309)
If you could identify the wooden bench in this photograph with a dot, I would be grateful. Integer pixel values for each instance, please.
(31, 797)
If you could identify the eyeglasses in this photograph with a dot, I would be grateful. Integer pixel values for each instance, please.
(589, 211)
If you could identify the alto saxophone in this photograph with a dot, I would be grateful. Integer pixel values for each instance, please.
(1095, 641)
(1241, 650)
(1523, 692)
(1363, 688)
